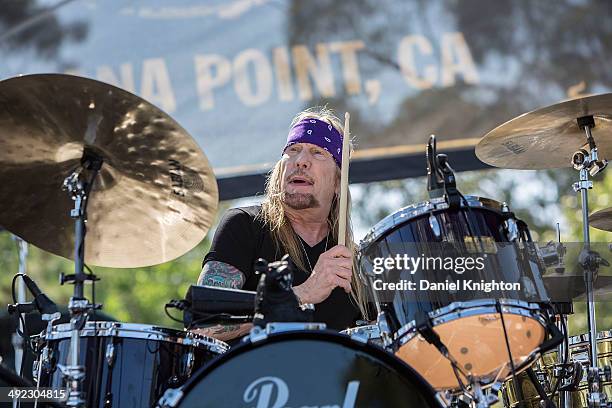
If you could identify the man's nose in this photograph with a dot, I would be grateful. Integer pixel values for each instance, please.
(302, 160)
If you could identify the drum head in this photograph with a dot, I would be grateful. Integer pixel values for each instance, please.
(307, 368)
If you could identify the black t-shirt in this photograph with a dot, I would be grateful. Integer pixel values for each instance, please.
(241, 238)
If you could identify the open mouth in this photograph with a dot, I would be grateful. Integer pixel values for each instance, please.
(300, 181)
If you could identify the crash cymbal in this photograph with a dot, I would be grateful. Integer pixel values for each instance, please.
(547, 138)
(154, 198)
(601, 219)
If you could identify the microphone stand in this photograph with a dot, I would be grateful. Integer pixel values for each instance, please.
(17, 340)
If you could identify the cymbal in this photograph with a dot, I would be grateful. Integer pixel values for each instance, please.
(154, 198)
(602, 219)
(548, 137)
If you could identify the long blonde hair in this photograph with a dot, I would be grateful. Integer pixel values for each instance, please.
(273, 212)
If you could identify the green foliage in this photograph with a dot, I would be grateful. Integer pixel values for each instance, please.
(135, 295)
(129, 295)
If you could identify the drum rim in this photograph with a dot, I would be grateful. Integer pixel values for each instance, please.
(415, 210)
(100, 328)
(584, 337)
(457, 310)
(431, 396)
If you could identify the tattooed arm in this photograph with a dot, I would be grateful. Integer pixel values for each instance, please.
(222, 275)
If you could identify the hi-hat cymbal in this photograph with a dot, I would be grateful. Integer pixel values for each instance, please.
(154, 198)
(602, 219)
(547, 138)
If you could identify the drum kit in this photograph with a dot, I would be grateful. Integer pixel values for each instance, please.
(83, 159)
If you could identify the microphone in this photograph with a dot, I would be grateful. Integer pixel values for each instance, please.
(42, 301)
(441, 182)
(434, 184)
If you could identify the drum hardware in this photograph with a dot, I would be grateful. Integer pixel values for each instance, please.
(110, 354)
(46, 362)
(435, 226)
(275, 300)
(171, 398)
(258, 333)
(519, 390)
(441, 182)
(542, 378)
(478, 397)
(385, 329)
(189, 364)
(569, 376)
(359, 337)
(564, 371)
(588, 163)
(545, 401)
(79, 191)
(553, 255)
(425, 328)
(17, 340)
(365, 333)
(510, 224)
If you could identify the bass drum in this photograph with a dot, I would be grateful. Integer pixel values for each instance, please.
(307, 368)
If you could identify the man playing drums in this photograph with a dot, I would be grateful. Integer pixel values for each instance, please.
(299, 216)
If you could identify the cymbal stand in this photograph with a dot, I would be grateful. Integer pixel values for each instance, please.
(79, 307)
(588, 163)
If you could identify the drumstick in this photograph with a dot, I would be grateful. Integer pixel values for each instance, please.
(344, 171)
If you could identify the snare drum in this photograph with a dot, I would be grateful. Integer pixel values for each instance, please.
(126, 364)
(467, 321)
(306, 368)
(578, 352)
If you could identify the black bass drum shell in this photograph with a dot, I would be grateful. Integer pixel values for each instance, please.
(307, 369)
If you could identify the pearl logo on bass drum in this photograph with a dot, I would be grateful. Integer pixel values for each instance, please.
(273, 392)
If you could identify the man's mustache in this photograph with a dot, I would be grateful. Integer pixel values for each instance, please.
(300, 173)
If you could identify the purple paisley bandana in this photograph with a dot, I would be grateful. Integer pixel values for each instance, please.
(319, 133)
